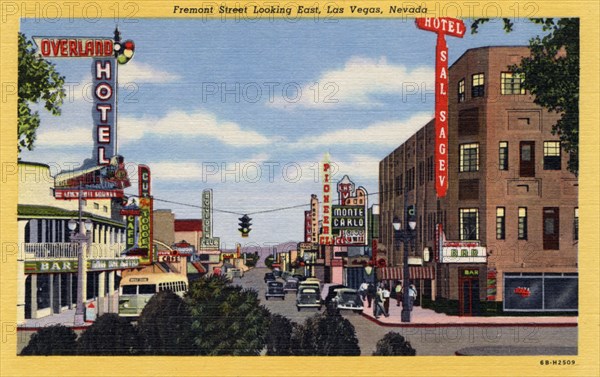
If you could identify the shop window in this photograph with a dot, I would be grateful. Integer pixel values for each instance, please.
(469, 223)
(511, 83)
(552, 155)
(43, 291)
(503, 155)
(469, 157)
(500, 224)
(522, 231)
(477, 85)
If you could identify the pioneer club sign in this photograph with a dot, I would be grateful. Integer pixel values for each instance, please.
(455, 28)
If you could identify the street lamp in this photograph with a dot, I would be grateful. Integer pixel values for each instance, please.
(406, 236)
(80, 238)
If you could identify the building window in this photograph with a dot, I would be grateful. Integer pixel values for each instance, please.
(96, 206)
(527, 159)
(510, 83)
(503, 155)
(399, 185)
(105, 208)
(551, 155)
(461, 90)
(477, 85)
(522, 223)
(421, 173)
(430, 168)
(576, 224)
(469, 157)
(469, 224)
(551, 228)
(500, 224)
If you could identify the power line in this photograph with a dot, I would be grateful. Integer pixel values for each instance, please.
(240, 213)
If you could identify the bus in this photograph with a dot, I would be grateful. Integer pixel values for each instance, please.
(136, 290)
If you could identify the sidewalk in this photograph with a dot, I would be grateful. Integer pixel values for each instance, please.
(428, 318)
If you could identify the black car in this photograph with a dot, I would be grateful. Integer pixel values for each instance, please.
(299, 277)
(331, 292)
(275, 289)
(269, 277)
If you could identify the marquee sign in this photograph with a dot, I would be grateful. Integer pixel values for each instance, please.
(145, 219)
(70, 265)
(463, 252)
(207, 241)
(326, 237)
(456, 28)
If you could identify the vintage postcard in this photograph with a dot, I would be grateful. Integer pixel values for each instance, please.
(285, 181)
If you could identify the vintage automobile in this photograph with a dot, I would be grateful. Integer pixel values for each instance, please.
(308, 297)
(275, 289)
(269, 277)
(330, 291)
(291, 285)
(348, 299)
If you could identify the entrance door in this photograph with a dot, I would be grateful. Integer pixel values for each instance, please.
(468, 300)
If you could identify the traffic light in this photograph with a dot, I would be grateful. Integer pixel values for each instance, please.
(411, 216)
(245, 225)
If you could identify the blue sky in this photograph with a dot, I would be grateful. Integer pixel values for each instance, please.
(249, 108)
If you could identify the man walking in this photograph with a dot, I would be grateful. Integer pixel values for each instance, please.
(399, 293)
(370, 293)
(362, 290)
(412, 292)
(386, 300)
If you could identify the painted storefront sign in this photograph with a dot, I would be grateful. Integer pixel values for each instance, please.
(326, 237)
(207, 241)
(59, 265)
(145, 218)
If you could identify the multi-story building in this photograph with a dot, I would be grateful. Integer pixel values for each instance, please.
(47, 261)
(510, 215)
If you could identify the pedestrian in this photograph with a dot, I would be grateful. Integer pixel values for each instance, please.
(386, 299)
(362, 290)
(370, 293)
(379, 300)
(399, 293)
(412, 292)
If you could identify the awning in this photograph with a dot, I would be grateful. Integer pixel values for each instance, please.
(198, 266)
(415, 273)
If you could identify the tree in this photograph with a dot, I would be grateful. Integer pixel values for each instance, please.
(110, 335)
(394, 344)
(279, 336)
(226, 319)
(52, 340)
(551, 74)
(165, 326)
(326, 334)
(38, 81)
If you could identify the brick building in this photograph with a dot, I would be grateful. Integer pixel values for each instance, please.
(510, 196)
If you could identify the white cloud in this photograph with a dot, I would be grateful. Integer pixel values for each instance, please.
(189, 124)
(176, 171)
(383, 134)
(358, 168)
(136, 72)
(60, 137)
(357, 84)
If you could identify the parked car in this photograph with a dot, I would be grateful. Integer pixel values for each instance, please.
(348, 299)
(329, 291)
(269, 277)
(235, 273)
(308, 297)
(290, 285)
(313, 284)
(299, 277)
(275, 289)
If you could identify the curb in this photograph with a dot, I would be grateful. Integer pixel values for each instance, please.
(474, 324)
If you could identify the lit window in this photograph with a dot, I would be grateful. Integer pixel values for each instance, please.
(551, 155)
(522, 223)
(503, 155)
(576, 225)
(477, 85)
(510, 83)
(469, 224)
(469, 157)
(461, 90)
(500, 223)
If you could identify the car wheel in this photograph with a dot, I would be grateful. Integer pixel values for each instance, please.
(319, 308)
(298, 308)
(267, 298)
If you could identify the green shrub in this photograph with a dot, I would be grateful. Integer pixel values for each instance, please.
(52, 340)
(394, 344)
(279, 336)
(110, 335)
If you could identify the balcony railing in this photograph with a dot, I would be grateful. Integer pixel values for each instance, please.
(69, 250)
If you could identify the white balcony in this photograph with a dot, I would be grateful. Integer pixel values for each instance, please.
(69, 250)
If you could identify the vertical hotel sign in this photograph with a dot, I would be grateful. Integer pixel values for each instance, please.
(326, 236)
(145, 219)
(456, 28)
